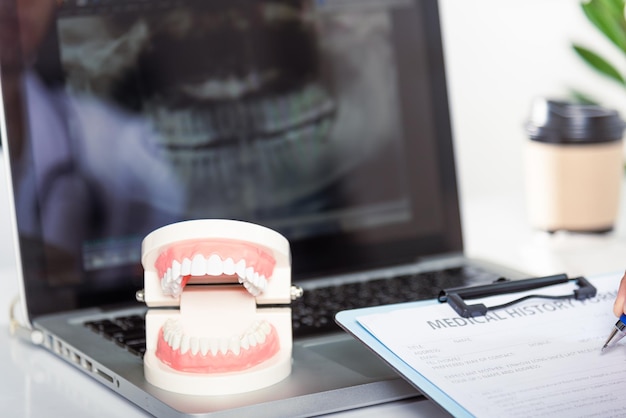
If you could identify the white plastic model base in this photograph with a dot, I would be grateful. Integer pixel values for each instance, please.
(231, 283)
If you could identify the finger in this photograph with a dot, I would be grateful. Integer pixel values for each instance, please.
(619, 307)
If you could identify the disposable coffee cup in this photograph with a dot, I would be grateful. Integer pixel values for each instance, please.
(573, 166)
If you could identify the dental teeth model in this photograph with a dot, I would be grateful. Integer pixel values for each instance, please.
(219, 320)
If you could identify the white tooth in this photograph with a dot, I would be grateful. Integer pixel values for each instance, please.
(223, 345)
(252, 339)
(168, 275)
(205, 346)
(168, 328)
(185, 268)
(179, 280)
(234, 345)
(176, 269)
(176, 337)
(260, 337)
(184, 344)
(265, 327)
(253, 279)
(252, 290)
(214, 346)
(240, 268)
(229, 266)
(249, 273)
(214, 265)
(245, 344)
(164, 285)
(198, 265)
(194, 344)
(261, 287)
(174, 289)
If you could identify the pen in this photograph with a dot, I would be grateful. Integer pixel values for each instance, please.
(620, 327)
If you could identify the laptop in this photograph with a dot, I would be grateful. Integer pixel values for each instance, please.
(324, 120)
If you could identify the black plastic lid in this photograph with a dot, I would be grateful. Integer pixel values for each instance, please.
(572, 123)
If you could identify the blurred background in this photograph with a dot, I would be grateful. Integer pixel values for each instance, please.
(500, 55)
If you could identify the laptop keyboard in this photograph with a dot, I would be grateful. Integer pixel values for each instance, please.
(126, 331)
(314, 312)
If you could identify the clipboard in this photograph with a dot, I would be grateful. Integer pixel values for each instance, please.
(349, 321)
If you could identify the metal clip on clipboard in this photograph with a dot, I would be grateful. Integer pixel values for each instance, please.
(455, 296)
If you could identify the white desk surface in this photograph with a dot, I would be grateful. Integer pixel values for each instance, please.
(34, 383)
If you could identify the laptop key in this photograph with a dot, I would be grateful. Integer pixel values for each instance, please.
(126, 331)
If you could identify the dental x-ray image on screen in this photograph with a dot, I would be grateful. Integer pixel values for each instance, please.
(228, 109)
(250, 111)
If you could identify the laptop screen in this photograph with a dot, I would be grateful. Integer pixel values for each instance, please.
(326, 120)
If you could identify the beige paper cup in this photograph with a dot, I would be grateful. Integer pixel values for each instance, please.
(573, 167)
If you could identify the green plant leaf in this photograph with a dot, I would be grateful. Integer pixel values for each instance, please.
(599, 64)
(615, 7)
(608, 17)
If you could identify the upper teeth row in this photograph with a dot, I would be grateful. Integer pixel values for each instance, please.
(212, 266)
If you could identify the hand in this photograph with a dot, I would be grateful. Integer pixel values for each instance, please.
(619, 307)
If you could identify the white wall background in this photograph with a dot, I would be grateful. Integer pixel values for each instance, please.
(500, 55)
